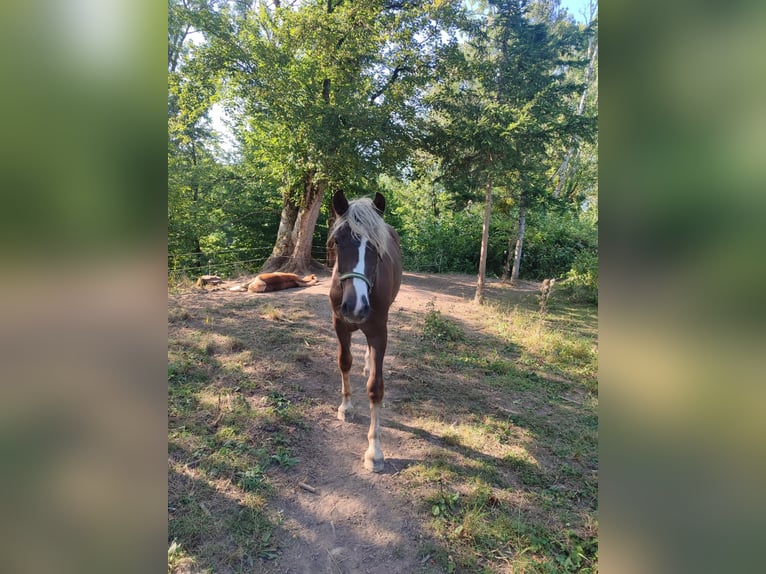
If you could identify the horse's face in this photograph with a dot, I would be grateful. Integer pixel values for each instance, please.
(357, 262)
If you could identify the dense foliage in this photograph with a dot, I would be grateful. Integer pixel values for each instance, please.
(437, 104)
(442, 235)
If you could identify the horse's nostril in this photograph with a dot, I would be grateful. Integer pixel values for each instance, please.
(345, 308)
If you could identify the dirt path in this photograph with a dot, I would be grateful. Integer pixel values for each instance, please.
(356, 521)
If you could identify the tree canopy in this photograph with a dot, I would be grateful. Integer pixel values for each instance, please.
(439, 104)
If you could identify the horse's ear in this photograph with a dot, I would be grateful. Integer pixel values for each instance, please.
(339, 202)
(379, 202)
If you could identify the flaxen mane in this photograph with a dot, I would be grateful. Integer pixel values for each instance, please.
(364, 220)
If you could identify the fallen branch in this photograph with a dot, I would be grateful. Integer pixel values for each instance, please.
(305, 486)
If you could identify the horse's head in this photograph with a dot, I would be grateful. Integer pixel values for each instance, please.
(359, 242)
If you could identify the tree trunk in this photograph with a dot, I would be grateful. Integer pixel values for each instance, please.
(508, 259)
(292, 249)
(285, 242)
(564, 168)
(174, 47)
(304, 227)
(519, 240)
(199, 257)
(479, 298)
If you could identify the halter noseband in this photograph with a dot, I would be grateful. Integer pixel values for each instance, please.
(355, 275)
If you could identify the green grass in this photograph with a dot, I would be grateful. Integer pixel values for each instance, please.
(514, 485)
(479, 531)
(229, 433)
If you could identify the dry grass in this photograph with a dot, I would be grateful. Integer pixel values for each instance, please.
(510, 394)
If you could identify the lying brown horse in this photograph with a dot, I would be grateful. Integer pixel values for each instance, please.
(365, 281)
(266, 282)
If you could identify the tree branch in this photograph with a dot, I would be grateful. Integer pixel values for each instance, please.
(390, 81)
(326, 90)
(398, 5)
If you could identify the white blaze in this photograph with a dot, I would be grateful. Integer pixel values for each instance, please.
(360, 287)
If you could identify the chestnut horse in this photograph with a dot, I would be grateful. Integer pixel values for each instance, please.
(365, 280)
(267, 282)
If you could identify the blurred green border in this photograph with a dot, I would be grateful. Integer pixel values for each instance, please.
(681, 304)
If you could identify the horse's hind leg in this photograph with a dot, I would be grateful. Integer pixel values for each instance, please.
(344, 363)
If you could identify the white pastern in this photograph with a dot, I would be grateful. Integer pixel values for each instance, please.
(345, 410)
(360, 287)
(373, 458)
(367, 362)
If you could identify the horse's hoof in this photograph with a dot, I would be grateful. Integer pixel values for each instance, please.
(373, 465)
(345, 414)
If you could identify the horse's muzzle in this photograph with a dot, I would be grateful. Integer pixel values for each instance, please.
(354, 313)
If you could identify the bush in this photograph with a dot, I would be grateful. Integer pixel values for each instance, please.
(441, 233)
(443, 244)
(553, 243)
(438, 328)
(582, 279)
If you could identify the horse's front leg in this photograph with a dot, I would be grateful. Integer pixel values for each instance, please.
(373, 458)
(344, 363)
